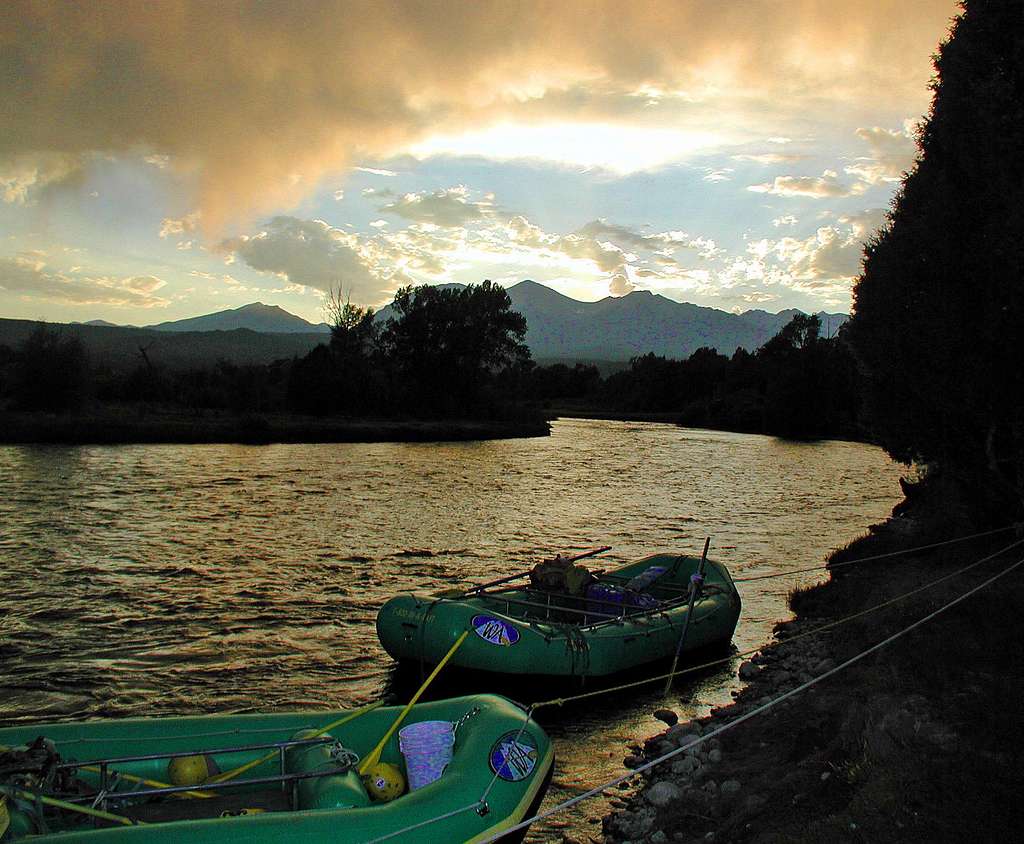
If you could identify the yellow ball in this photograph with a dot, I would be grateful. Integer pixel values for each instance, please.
(191, 770)
(384, 782)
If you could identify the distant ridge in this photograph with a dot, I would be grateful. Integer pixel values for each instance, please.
(613, 329)
(255, 317)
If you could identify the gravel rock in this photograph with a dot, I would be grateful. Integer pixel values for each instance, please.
(662, 793)
(686, 765)
(633, 761)
(754, 803)
(730, 788)
(748, 671)
(689, 738)
(666, 715)
(715, 756)
(658, 837)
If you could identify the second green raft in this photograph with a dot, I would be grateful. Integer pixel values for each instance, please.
(626, 618)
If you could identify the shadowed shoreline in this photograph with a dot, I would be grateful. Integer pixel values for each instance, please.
(111, 428)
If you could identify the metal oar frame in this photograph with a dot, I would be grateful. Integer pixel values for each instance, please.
(288, 781)
(622, 611)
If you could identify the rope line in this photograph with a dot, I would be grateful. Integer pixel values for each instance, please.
(756, 711)
(1014, 526)
(559, 701)
(599, 789)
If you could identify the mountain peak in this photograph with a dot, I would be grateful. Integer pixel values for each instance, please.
(256, 316)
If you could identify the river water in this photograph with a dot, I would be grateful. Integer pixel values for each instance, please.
(159, 579)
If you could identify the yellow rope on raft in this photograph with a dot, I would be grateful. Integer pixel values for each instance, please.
(374, 756)
(71, 807)
(241, 769)
(155, 783)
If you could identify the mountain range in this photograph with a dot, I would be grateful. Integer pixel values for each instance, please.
(608, 332)
(612, 329)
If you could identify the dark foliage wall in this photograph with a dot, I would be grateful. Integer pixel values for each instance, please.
(938, 312)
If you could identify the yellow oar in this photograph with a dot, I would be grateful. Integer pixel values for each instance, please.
(241, 769)
(374, 757)
(144, 781)
(71, 807)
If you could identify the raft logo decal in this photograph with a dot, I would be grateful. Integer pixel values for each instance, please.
(514, 756)
(494, 630)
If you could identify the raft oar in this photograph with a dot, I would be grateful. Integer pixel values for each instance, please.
(694, 589)
(582, 556)
(241, 769)
(374, 757)
(63, 804)
(143, 781)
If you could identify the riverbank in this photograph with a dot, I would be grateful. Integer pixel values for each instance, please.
(920, 741)
(130, 425)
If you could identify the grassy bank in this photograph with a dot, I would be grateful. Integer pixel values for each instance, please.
(919, 741)
(129, 425)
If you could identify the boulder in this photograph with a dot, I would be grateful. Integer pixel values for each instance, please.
(730, 788)
(666, 715)
(662, 793)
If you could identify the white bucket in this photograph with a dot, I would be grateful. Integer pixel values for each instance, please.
(427, 747)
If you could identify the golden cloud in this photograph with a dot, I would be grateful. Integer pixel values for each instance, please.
(259, 101)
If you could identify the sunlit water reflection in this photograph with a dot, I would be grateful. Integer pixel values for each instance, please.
(143, 580)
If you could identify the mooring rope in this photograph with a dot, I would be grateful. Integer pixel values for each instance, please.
(560, 807)
(559, 701)
(480, 804)
(1015, 526)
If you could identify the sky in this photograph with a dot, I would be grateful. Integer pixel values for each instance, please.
(164, 160)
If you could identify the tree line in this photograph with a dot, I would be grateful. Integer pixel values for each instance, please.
(441, 354)
(447, 352)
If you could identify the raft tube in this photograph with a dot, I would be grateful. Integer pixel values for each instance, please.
(522, 631)
(494, 743)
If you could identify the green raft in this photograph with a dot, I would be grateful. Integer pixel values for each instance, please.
(307, 791)
(626, 618)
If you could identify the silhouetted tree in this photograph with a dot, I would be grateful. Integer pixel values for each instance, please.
(51, 371)
(444, 344)
(939, 308)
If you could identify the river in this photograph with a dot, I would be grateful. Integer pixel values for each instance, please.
(142, 580)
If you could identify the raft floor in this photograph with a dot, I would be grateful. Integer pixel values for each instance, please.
(171, 809)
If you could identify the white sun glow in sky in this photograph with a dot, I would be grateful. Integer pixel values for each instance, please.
(621, 150)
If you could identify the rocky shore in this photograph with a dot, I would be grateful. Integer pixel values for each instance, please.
(900, 747)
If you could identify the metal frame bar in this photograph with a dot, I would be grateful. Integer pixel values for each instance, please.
(207, 752)
(176, 789)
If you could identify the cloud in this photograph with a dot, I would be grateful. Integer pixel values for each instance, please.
(242, 97)
(450, 207)
(188, 224)
(620, 285)
(767, 158)
(817, 187)
(375, 171)
(892, 153)
(23, 176)
(28, 276)
(314, 254)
